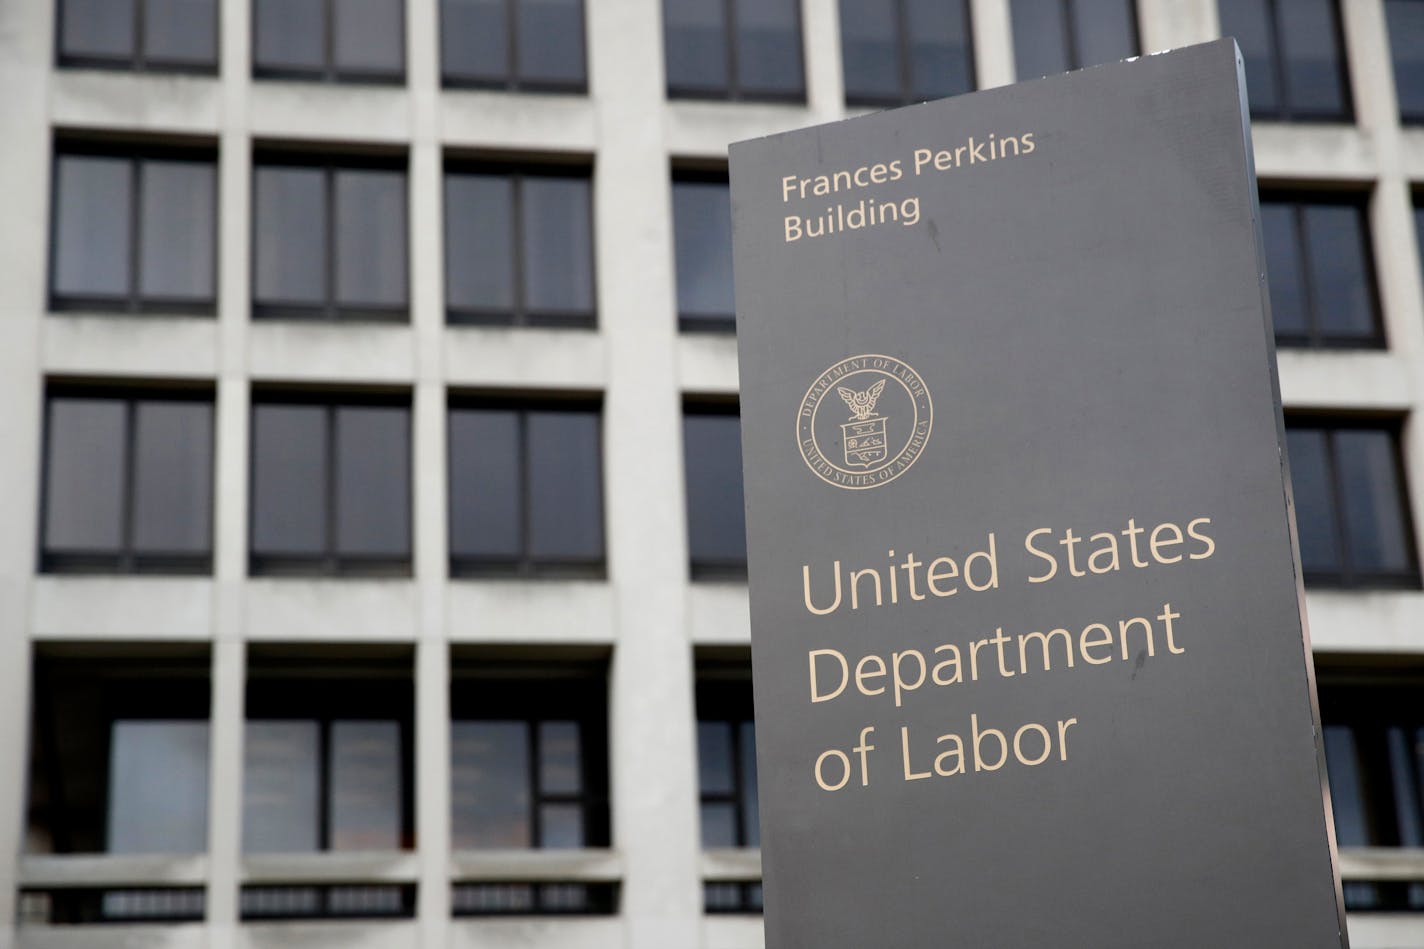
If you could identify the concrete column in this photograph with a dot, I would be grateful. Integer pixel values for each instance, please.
(821, 40)
(993, 43)
(1168, 24)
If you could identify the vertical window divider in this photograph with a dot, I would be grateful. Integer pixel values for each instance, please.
(128, 556)
(333, 557)
(1337, 489)
(328, 71)
(511, 36)
(536, 793)
(902, 43)
(729, 20)
(738, 788)
(329, 272)
(1278, 60)
(1302, 249)
(135, 226)
(323, 784)
(516, 204)
(525, 515)
(140, 35)
(1070, 34)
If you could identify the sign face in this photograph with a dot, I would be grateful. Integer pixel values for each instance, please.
(1028, 640)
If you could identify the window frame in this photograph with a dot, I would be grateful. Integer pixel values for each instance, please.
(329, 72)
(1298, 201)
(330, 563)
(1349, 577)
(1072, 55)
(133, 302)
(904, 63)
(514, 81)
(723, 696)
(1288, 111)
(526, 568)
(1407, 117)
(704, 569)
(718, 325)
(734, 90)
(138, 60)
(126, 561)
(519, 314)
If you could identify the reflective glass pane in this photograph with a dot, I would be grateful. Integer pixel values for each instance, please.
(281, 784)
(176, 230)
(1250, 22)
(560, 826)
(181, 31)
(479, 242)
(490, 794)
(870, 50)
(485, 488)
(702, 221)
(373, 481)
(716, 520)
(1406, 44)
(560, 769)
(290, 235)
(1283, 269)
(1404, 751)
(1339, 270)
(84, 476)
(550, 40)
(365, 786)
(173, 477)
(92, 220)
(99, 28)
(558, 252)
(940, 61)
(291, 34)
(751, 825)
(1040, 38)
(719, 825)
(1310, 44)
(158, 787)
(714, 758)
(565, 487)
(769, 45)
(474, 39)
(370, 238)
(369, 36)
(1314, 506)
(1104, 30)
(695, 45)
(289, 480)
(1373, 501)
(1346, 791)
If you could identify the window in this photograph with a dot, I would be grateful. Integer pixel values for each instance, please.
(329, 240)
(734, 49)
(128, 481)
(726, 756)
(518, 247)
(513, 44)
(328, 754)
(1406, 43)
(702, 226)
(716, 520)
(1321, 271)
(1351, 511)
(529, 756)
(360, 40)
(1373, 726)
(526, 489)
(119, 752)
(330, 484)
(167, 35)
(899, 51)
(1295, 60)
(1054, 36)
(133, 230)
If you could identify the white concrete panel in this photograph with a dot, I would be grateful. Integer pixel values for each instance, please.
(328, 112)
(1378, 622)
(579, 933)
(719, 614)
(334, 935)
(1385, 931)
(121, 345)
(330, 610)
(733, 932)
(707, 363)
(525, 358)
(331, 352)
(1334, 153)
(118, 608)
(547, 612)
(185, 936)
(481, 121)
(1375, 380)
(151, 102)
(330, 867)
(112, 870)
(705, 129)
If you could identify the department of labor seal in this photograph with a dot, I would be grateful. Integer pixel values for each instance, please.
(864, 421)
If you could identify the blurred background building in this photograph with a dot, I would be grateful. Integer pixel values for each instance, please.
(371, 561)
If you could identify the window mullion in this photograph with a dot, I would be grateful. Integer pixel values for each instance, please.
(738, 804)
(525, 501)
(324, 784)
(1070, 35)
(135, 230)
(902, 44)
(329, 39)
(1279, 59)
(511, 35)
(1307, 272)
(333, 511)
(329, 173)
(1347, 570)
(127, 553)
(536, 817)
(729, 21)
(521, 302)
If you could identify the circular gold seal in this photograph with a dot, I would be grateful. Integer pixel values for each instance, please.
(864, 421)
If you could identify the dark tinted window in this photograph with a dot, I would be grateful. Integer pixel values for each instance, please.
(733, 49)
(1295, 63)
(128, 482)
(702, 225)
(528, 758)
(518, 248)
(1406, 44)
(329, 39)
(330, 485)
(526, 489)
(329, 241)
(134, 231)
(716, 522)
(898, 51)
(726, 757)
(513, 44)
(1054, 36)
(1351, 511)
(1321, 272)
(139, 34)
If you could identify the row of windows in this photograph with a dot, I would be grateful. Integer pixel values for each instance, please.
(893, 51)
(121, 750)
(134, 231)
(128, 484)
